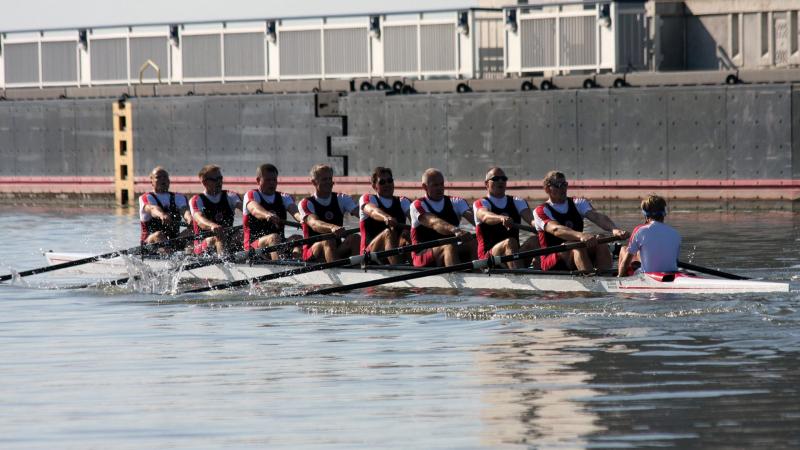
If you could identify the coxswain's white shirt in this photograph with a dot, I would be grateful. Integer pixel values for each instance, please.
(658, 246)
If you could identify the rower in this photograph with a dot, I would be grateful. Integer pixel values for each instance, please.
(437, 216)
(214, 210)
(495, 218)
(382, 216)
(323, 213)
(656, 244)
(161, 211)
(265, 211)
(561, 219)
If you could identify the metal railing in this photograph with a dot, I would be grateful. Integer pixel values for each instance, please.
(429, 44)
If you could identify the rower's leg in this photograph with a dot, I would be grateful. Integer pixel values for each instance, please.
(215, 243)
(602, 257)
(387, 240)
(507, 247)
(268, 241)
(297, 251)
(468, 251)
(532, 243)
(623, 252)
(581, 260)
(348, 247)
(155, 238)
(445, 255)
(320, 250)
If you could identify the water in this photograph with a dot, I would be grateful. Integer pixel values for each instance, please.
(401, 369)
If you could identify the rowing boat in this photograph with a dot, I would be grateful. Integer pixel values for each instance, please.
(496, 279)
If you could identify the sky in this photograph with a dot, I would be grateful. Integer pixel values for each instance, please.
(48, 14)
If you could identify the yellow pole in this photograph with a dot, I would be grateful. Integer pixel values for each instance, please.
(123, 153)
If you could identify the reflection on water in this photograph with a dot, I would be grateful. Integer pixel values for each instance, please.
(121, 367)
(535, 389)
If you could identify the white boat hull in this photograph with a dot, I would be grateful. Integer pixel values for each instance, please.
(500, 280)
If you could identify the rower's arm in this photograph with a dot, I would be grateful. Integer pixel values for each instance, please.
(320, 226)
(527, 217)
(157, 212)
(205, 223)
(604, 222)
(187, 216)
(294, 212)
(258, 211)
(624, 264)
(380, 215)
(563, 232)
(437, 224)
(490, 218)
(469, 216)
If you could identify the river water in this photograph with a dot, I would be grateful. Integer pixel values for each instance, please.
(400, 369)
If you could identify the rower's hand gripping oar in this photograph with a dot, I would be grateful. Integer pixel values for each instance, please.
(476, 264)
(114, 254)
(351, 261)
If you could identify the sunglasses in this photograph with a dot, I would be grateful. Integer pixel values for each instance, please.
(497, 178)
(219, 178)
(385, 181)
(559, 184)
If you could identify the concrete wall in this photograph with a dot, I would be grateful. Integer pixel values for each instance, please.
(738, 132)
(56, 138)
(743, 139)
(235, 132)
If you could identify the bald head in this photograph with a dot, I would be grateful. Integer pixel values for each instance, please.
(159, 179)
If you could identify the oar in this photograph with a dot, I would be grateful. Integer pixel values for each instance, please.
(240, 256)
(351, 261)
(476, 264)
(114, 254)
(706, 270)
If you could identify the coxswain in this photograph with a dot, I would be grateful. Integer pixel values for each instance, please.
(497, 217)
(161, 212)
(323, 213)
(265, 212)
(560, 219)
(214, 210)
(437, 216)
(382, 216)
(655, 244)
